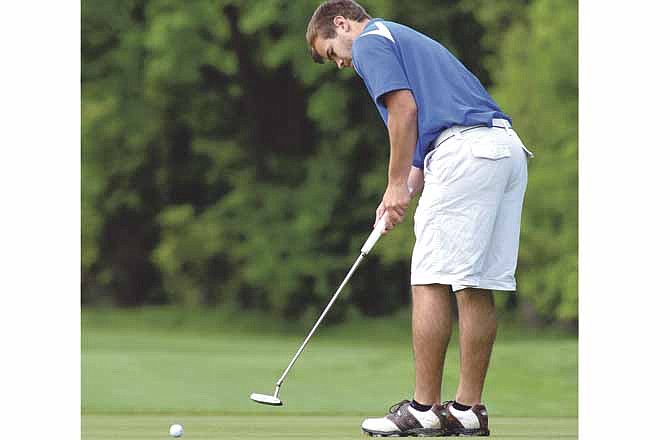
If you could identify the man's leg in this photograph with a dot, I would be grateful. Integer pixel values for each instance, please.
(431, 329)
(477, 326)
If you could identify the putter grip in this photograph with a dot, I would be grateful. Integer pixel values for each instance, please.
(374, 236)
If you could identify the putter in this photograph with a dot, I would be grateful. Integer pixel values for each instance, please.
(274, 400)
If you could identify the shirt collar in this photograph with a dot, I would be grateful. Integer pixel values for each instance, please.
(371, 23)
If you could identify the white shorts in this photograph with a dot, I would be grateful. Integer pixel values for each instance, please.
(468, 220)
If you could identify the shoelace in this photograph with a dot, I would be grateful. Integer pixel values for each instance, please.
(397, 406)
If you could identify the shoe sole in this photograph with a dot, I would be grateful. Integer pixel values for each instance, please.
(468, 433)
(420, 432)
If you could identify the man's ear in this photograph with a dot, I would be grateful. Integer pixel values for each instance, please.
(341, 22)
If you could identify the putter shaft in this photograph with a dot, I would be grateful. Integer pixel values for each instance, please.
(325, 311)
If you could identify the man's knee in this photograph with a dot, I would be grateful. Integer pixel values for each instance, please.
(475, 304)
(471, 295)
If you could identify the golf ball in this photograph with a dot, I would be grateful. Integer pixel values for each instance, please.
(176, 430)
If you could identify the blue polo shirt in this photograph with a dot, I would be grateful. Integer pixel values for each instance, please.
(389, 56)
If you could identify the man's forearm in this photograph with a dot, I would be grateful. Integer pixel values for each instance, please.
(402, 128)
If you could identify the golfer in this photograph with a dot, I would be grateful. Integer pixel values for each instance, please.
(450, 142)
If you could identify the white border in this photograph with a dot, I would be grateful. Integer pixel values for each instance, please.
(39, 233)
(623, 218)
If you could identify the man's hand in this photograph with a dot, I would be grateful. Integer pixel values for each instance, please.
(395, 202)
(414, 187)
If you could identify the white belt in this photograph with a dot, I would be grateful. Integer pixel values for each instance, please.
(456, 130)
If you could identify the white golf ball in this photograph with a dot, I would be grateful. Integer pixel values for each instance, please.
(176, 430)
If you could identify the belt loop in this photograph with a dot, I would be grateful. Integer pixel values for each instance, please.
(505, 124)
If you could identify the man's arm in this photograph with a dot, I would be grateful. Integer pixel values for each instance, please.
(402, 128)
(415, 181)
(414, 184)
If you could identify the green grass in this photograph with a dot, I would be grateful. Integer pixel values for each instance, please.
(145, 369)
(136, 427)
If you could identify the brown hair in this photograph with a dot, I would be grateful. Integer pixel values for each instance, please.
(321, 23)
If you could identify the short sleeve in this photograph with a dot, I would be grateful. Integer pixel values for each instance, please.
(376, 61)
(417, 160)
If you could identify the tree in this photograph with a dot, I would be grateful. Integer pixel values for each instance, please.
(220, 165)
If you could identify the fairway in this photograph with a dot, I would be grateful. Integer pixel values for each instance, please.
(131, 427)
(137, 381)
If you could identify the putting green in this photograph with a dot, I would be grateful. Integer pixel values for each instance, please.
(162, 373)
(140, 375)
(141, 427)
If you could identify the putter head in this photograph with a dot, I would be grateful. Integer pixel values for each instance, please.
(265, 399)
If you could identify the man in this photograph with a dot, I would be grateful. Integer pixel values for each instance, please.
(448, 137)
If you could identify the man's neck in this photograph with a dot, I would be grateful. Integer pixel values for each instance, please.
(358, 26)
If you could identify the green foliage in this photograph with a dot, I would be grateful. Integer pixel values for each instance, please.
(537, 83)
(220, 165)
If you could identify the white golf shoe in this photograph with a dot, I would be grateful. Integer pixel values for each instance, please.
(403, 420)
(472, 422)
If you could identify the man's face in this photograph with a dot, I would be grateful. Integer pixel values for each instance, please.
(338, 49)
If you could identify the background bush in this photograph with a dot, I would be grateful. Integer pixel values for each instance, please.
(221, 166)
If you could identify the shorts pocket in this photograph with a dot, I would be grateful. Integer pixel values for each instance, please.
(490, 151)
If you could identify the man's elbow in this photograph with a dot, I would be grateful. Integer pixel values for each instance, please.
(409, 110)
(401, 105)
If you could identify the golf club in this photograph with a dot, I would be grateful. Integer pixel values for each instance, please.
(274, 400)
